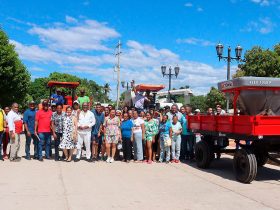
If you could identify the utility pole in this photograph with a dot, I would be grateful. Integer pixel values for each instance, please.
(118, 71)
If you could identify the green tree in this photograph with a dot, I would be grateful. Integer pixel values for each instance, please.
(198, 102)
(215, 97)
(261, 63)
(14, 77)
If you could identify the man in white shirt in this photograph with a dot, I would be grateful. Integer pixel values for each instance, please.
(15, 128)
(86, 120)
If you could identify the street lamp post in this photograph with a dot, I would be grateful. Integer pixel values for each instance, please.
(228, 58)
(170, 75)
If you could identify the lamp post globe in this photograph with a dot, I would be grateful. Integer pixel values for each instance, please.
(177, 70)
(163, 70)
(238, 52)
(219, 49)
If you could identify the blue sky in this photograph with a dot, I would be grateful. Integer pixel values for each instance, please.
(79, 37)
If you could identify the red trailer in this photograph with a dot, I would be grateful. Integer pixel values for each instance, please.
(256, 119)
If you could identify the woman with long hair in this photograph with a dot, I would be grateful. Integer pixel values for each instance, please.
(138, 136)
(112, 134)
(151, 130)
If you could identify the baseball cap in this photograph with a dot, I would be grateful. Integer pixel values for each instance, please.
(197, 110)
(76, 102)
(32, 102)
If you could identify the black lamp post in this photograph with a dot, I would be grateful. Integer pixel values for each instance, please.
(228, 58)
(170, 75)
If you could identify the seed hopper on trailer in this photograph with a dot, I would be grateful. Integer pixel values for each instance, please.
(256, 119)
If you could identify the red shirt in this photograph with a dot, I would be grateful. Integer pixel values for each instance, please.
(44, 121)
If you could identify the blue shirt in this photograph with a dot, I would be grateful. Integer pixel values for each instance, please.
(126, 128)
(58, 99)
(29, 119)
(164, 128)
(99, 120)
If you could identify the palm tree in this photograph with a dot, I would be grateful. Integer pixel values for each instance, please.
(107, 89)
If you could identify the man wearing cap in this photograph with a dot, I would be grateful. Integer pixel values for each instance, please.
(43, 129)
(29, 125)
(57, 98)
(83, 98)
(15, 128)
(76, 109)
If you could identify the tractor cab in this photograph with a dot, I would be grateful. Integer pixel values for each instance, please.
(70, 88)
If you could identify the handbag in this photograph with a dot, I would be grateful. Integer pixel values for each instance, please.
(167, 142)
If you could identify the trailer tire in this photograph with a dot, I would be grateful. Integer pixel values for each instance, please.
(203, 154)
(245, 165)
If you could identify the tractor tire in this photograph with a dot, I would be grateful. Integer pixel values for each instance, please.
(245, 165)
(203, 154)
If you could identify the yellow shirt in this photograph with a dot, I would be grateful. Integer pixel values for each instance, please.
(2, 119)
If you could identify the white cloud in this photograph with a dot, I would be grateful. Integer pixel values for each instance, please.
(188, 4)
(199, 9)
(139, 61)
(262, 2)
(196, 41)
(263, 26)
(84, 35)
(70, 19)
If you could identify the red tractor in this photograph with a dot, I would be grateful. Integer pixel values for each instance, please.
(255, 120)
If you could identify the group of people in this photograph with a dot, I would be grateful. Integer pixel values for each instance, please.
(104, 133)
(134, 133)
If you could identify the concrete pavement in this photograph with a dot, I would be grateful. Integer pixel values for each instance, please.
(81, 186)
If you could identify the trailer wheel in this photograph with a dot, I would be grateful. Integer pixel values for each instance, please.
(245, 165)
(203, 154)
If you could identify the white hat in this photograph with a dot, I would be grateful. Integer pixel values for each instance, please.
(197, 110)
(76, 102)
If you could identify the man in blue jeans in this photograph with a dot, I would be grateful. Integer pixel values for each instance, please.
(29, 125)
(96, 136)
(43, 129)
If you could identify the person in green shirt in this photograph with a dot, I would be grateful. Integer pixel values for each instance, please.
(82, 98)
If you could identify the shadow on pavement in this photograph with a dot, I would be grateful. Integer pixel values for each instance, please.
(224, 168)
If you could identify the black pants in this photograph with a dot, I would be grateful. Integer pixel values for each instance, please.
(127, 148)
(56, 144)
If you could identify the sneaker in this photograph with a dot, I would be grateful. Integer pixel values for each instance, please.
(150, 162)
(160, 161)
(108, 160)
(145, 161)
(177, 161)
(173, 161)
(112, 160)
(28, 158)
(41, 159)
(167, 162)
(1, 159)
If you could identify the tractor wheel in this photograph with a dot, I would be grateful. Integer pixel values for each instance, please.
(203, 154)
(245, 165)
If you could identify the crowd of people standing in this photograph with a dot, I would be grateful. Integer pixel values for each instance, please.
(133, 133)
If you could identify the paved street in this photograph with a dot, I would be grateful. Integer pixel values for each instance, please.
(79, 186)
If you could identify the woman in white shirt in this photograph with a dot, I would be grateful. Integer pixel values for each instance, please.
(138, 131)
